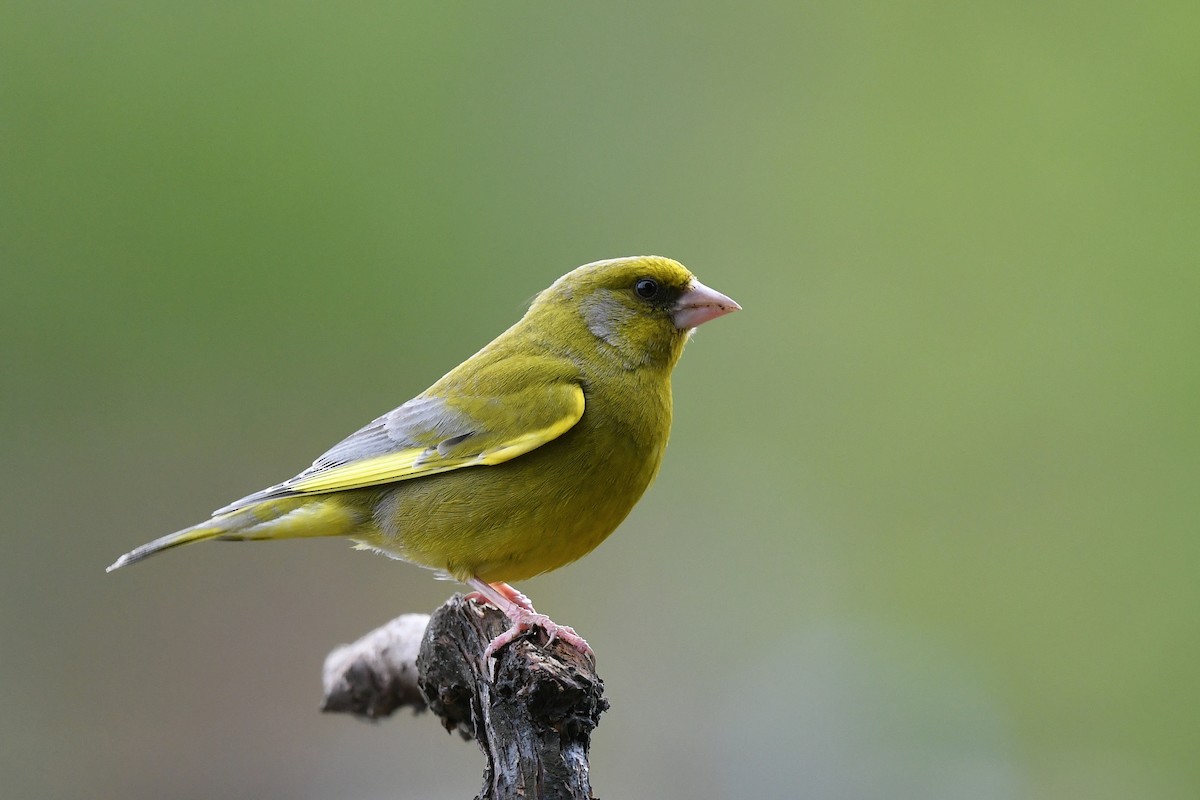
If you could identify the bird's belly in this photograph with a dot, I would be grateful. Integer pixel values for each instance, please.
(511, 521)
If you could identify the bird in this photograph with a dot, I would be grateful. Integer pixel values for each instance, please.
(518, 461)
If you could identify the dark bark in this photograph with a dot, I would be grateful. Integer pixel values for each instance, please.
(532, 709)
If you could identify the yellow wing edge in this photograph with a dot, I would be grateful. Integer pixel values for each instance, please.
(418, 462)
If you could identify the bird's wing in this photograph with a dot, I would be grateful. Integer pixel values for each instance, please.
(431, 434)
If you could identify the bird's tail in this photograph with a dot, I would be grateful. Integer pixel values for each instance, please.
(282, 518)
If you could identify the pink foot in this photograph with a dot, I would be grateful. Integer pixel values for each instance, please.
(528, 621)
(519, 610)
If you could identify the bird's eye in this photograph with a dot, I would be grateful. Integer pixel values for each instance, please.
(646, 288)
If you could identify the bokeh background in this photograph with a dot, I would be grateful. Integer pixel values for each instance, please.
(928, 523)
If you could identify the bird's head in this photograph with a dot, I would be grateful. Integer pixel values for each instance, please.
(644, 307)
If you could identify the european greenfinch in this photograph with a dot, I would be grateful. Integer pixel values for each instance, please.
(519, 460)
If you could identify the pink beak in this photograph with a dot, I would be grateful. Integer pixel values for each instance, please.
(699, 304)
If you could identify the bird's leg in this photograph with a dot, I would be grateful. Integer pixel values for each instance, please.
(519, 610)
(509, 593)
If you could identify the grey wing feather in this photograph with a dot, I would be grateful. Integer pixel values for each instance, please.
(421, 422)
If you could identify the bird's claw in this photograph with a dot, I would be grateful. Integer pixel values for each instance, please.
(523, 617)
(529, 621)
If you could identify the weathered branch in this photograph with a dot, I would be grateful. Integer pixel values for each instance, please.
(377, 675)
(532, 712)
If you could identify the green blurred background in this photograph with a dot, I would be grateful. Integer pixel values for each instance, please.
(928, 524)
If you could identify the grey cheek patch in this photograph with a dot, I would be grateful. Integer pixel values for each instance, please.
(604, 314)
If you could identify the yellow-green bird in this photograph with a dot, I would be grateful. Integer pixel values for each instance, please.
(521, 459)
